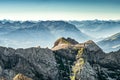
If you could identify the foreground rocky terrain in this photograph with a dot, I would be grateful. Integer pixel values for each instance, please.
(67, 60)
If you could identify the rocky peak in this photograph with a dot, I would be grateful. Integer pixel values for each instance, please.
(72, 41)
(90, 42)
(64, 42)
(91, 46)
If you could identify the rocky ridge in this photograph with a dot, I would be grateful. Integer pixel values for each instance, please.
(79, 58)
(73, 61)
(36, 63)
(111, 43)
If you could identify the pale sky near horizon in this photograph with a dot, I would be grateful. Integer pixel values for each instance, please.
(60, 9)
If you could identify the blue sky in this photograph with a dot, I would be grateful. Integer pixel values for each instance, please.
(60, 9)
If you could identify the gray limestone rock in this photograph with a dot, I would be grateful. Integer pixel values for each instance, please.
(36, 63)
(73, 61)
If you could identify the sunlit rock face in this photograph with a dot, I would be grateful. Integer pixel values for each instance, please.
(63, 43)
(21, 77)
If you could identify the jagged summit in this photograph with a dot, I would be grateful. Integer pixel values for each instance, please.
(62, 43)
(90, 42)
(91, 45)
(63, 40)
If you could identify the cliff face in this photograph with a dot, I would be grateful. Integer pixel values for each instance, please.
(36, 63)
(79, 60)
(73, 61)
(86, 61)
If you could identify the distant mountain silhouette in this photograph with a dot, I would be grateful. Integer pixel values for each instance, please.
(98, 28)
(41, 32)
(111, 43)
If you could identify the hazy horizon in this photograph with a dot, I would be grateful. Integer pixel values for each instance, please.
(59, 10)
(32, 20)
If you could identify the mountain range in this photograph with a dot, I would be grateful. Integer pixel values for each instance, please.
(111, 43)
(14, 32)
(67, 60)
(23, 34)
(98, 29)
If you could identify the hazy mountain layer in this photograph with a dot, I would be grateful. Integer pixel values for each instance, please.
(98, 29)
(111, 43)
(29, 33)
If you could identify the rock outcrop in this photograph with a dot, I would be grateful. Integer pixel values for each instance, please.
(64, 43)
(73, 61)
(21, 77)
(87, 61)
(36, 63)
